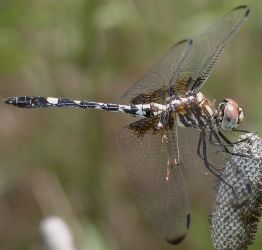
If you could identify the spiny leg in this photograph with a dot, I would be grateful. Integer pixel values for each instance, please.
(218, 142)
(236, 201)
(226, 150)
(241, 130)
(212, 142)
(209, 166)
(227, 140)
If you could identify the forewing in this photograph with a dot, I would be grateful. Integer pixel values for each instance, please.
(206, 49)
(156, 183)
(154, 85)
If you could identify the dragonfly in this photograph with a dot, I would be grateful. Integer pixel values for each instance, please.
(168, 101)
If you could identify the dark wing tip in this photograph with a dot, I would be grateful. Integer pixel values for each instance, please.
(177, 240)
(182, 41)
(189, 41)
(188, 221)
(247, 12)
(179, 43)
(243, 7)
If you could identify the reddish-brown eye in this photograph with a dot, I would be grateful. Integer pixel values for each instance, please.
(232, 115)
(234, 103)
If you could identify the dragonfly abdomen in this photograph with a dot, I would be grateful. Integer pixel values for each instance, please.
(142, 110)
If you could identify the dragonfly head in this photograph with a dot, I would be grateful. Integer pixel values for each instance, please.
(229, 114)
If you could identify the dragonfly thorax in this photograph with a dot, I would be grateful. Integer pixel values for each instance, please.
(193, 111)
(229, 115)
(180, 103)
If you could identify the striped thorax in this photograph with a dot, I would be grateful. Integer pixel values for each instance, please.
(193, 111)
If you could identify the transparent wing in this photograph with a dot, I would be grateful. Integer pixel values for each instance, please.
(155, 181)
(154, 85)
(186, 66)
(200, 60)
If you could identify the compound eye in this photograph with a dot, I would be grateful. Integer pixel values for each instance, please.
(230, 117)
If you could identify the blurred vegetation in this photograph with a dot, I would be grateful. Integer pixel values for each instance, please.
(66, 162)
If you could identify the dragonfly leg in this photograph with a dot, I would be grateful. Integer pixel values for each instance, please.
(241, 131)
(209, 166)
(218, 142)
(224, 147)
(211, 139)
(225, 139)
(203, 155)
(228, 141)
(235, 201)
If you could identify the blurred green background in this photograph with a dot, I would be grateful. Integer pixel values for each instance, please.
(66, 162)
